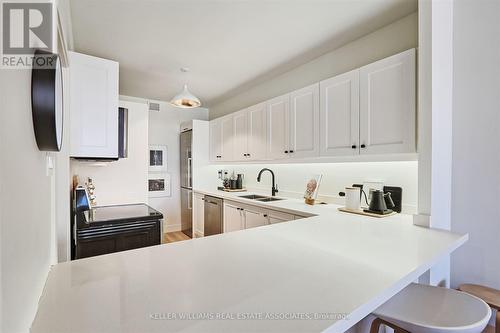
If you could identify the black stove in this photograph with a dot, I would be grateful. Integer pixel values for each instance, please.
(108, 229)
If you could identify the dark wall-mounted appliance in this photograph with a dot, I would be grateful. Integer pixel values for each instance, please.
(47, 100)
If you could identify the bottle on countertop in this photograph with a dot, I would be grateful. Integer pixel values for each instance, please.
(227, 181)
(233, 182)
(239, 181)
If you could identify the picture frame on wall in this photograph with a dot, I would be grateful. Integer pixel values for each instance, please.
(159, 185)
(158, 157)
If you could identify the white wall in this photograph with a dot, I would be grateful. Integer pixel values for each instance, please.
(123, 181)
(391, 39)
(26, 218)
(476, 141)
(164, 129)
(291, 178)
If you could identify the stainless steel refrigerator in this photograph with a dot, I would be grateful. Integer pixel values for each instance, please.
(186, 183)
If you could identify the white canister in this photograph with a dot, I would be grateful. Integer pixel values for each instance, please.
(352, 198)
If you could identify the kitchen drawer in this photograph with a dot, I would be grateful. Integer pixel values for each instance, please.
(109, 239)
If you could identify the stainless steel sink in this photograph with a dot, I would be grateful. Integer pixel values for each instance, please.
(261, 198)
(269, 199)
(252, 196)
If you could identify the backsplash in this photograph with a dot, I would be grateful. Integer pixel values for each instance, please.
(291, 178)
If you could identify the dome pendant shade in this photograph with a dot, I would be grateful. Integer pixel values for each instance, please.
(185, 99)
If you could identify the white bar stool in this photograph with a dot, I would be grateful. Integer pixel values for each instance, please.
(426, 309)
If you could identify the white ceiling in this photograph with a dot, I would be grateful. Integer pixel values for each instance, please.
(227, 44)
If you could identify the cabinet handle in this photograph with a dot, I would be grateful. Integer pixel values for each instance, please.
(286, 151)
(265, 215)
(363, 146)
(353, 146)
(248, 154)
(291, 151)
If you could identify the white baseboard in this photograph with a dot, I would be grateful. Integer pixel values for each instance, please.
(171, 228)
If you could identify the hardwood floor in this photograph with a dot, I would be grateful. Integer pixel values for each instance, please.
(489, 329)
(176, 236)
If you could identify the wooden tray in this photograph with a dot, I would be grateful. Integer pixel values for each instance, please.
(235, 190)
(360, 212)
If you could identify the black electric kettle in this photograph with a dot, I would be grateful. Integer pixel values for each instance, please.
(378, 203)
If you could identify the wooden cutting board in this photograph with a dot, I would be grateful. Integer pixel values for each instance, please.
(235, 190)
(360, 212)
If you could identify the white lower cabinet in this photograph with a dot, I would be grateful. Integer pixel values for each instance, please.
(254, 217)
(238, 216)
(198, 214)
(233, 218)
(278, 217)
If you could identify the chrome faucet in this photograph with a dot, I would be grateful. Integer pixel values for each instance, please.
(274, 189)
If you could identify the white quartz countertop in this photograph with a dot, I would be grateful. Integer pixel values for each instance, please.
(337, 264)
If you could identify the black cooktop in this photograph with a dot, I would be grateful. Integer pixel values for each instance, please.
(111, 215)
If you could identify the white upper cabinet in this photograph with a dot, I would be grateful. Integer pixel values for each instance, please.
(277, 127)
(387, 105)
(215, 140)
(339, 124)
(240, 136)
(256, 132)
(94, 106)
(304, 122)
(369, 110)
(227, 138)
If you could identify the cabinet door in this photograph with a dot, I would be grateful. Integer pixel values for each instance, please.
(94, 106)
(277, 127)
(304, 122)
(146, 236)
(233, 218)
(387, 105)
(254, 218)
(256, 132)
(339, 109)
(198, 215)
(215, 140)
(278, 217)
(227, 138)
(96, 241)
(240, 143)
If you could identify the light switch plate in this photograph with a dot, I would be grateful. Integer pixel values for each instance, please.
(49, 165)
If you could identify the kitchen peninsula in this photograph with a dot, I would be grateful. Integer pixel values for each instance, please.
(337, 264)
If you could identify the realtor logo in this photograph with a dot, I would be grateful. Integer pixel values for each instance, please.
(26, 26)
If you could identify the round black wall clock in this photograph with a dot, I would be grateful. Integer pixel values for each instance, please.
(47, 100)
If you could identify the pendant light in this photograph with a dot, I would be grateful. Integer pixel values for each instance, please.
(185, 99)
